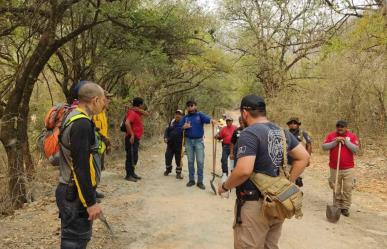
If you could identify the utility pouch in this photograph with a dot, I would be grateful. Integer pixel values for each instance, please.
(71, 190)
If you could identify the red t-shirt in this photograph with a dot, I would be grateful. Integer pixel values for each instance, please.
(136, 122)
(346, 157)
(226, 133)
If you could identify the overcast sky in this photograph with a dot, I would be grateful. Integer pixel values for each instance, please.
(208, 4)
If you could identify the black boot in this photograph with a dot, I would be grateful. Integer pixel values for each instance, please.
(136, 176)
(167, 171)
(179, 176)
(345, 212)
(131, 179)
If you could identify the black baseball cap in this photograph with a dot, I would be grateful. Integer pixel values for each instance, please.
(253, 102)
(342, 123)
(137, 101)
(190, 102)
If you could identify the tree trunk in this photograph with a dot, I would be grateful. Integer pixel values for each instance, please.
(13, 142)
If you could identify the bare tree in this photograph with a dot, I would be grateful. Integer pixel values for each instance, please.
(40, 21)
(274, 37)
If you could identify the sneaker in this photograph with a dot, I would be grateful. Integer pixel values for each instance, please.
(131, 179)
(190, 183)
(201, 185)
(167, 172)
(179, 176)
(345, 212)
(136, 176)
(99, 195)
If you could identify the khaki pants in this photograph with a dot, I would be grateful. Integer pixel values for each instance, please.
(344, 188)
(256, 231)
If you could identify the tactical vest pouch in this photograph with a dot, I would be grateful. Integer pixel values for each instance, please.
(71, 191)
(281, 198)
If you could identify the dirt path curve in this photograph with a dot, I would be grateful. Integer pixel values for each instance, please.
(161, 212)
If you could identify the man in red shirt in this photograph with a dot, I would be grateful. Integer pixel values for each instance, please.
(134, 131)
(350, 146)
(225, 135)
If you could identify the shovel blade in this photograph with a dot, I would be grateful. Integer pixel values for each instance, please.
(333, 213)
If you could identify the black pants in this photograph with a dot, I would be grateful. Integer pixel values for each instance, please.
(173, 150)
(76, 229)
(131, 155)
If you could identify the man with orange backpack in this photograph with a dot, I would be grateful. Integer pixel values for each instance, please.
(76, 192)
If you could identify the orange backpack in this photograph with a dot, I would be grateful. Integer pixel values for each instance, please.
(49, 138)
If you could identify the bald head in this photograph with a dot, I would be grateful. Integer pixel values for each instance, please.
(88, 91)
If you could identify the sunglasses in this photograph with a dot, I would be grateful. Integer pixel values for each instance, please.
(293, 122)
(340, 126)
(191, 105)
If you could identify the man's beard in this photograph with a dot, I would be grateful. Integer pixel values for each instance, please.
(293, 130)
(244, 122)
(192, 111)
(340, 132)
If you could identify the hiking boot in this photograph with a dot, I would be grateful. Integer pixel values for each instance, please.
(179, 176)
(131, 179)
(167, 172)
(190, 183)
(345, 212)
(201, 185)
(99, 195)
(136, 176)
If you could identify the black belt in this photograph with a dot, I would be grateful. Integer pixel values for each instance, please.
(249, 195)
(242, 197)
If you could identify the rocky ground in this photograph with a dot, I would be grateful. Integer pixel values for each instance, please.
(161, 212)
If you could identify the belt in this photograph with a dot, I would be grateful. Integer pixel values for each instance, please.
(249, 195)
(242, 197)
(194, 137)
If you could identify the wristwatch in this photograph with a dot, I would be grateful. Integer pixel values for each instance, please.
(224, 188)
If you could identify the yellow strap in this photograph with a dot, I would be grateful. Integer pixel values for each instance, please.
(91, 164)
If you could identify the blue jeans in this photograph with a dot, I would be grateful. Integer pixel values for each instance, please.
(224, 159)
(195, 148)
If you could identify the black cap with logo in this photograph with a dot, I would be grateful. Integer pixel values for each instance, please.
(253, 102)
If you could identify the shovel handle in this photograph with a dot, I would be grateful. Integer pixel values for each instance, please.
(337, 170)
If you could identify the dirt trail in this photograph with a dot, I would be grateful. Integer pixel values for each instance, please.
(161, 212)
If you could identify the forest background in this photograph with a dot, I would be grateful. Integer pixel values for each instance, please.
(317, 60)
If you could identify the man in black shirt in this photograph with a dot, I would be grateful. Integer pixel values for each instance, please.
(260, 149)
(76, 192)
(303, 137)
(173, 137)
(234, 141)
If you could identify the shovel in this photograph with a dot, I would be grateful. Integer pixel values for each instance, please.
(213, 159)
(103, 219)
(333, 213)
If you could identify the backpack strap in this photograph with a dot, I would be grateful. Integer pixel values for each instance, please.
(66, 123)
(301, 136)
(284, 152)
